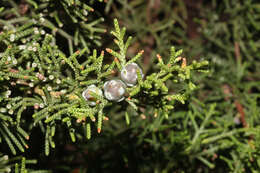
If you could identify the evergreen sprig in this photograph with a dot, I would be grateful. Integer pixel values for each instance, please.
(10, 165)
(52, 84)
(153, 90)
(55, 16)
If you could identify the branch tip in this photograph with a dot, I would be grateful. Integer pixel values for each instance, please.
(77, 52)
(115, 59)
(109, 50)
(81, 67)
(143, 116)
(184, 63)
(159, 57)
(106, 118)
(113, 72)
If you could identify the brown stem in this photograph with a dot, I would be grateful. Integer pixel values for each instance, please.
(237, 52)
(240, 109)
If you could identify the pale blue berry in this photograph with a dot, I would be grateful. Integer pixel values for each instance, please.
(86, 94)
(114, 90)
(129, 74)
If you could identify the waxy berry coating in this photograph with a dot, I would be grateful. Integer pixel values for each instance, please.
(87, 94)
(129, 74)
(114, 90)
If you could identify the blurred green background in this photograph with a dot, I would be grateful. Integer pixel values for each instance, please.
(217, 130)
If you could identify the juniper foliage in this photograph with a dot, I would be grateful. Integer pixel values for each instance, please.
(226, 33)
(174, 119)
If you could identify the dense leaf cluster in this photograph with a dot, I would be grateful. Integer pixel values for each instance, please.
(174, 119)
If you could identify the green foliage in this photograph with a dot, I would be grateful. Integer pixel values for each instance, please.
(227, 34)
(55, 93)
(173, 120)
(56, 15)
(22, 167)
(4, 167)
(8, 165)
